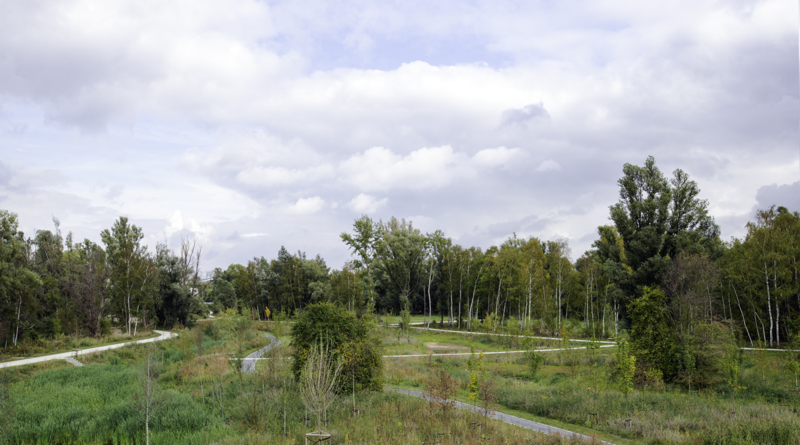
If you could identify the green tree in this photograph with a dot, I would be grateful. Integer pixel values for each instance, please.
(624, 367)
(656, 218)
(339, 331)
(132, 271)
(400, 252)
(363, 243)
(653, 339)
(18, 283)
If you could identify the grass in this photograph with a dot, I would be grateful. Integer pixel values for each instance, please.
(564, 395)
(58, 403)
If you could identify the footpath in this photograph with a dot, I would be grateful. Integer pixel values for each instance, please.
(163, 335)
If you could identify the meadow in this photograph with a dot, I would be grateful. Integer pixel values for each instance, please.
(205, 399)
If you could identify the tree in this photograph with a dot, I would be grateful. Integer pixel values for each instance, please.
(18, 282)
(653, 340)
(624, 367)
(177, 301)
(318, 380)
(560, 269)
(400, 252)
(148, 398)
(86, 281)
(363, 243)
(133, 272)
(339, 331)
(656, 219)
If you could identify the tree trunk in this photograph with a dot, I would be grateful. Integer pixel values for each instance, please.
(769, 303)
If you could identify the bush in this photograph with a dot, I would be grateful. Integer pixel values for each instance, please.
(348, 337)
(535, 361)
(105, 327)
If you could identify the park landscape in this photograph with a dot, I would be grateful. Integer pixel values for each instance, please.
(661, 333)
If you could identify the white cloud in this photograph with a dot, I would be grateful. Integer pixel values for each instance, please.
(548, 165)
(364, 203)
(174, 223)
(306, 206)
(495, 157)
(242, 112)
(278, 176)
(253, 235)
(381, 169)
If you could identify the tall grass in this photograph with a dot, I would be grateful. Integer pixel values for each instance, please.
(93, 404)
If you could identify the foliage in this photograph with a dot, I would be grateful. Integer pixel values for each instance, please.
(477, 375)
(653, 340)
(624, 367)
(535, 361)
(344, 335)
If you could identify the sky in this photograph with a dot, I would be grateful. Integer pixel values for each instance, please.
(251, 125)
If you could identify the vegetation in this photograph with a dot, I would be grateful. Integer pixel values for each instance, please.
(678, 302)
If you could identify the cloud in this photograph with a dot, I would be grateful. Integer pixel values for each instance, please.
(381, 169)
(114, 192)
(495, 157)
(253, 235)
(247, 114)
(548, 165)
(524, 115)
(364, 203)
(786, 195)
(306, 206)
(280, 176)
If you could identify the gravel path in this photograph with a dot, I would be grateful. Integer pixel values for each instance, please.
(249, 362)
(507, 418)
(64, 355)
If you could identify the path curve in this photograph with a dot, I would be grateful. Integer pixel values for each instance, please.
(512, 335)
(249, 362)
(507, 418)
(164, 335)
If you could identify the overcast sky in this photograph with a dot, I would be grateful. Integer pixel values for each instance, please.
(256, 124)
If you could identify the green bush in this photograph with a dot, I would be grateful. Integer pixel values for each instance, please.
(105, 327)
(347, 336)
(534, 361)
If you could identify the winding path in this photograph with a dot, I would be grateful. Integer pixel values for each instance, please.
(507, 418)
(164, 335)
(249, 362)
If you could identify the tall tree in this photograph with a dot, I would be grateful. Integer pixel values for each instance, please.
(18, 283)
(132, 270)
(657, 218)
(400, 253)
(362, 243)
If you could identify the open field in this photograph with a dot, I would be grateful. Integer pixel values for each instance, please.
(206, 400)
(574, 388)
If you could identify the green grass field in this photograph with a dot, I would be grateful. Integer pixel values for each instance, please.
(206, 400)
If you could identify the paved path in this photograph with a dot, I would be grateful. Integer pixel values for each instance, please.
(511, 335)
(489, 352)
(73, 361)
(64, 355)
(249, 362)
(507, 418)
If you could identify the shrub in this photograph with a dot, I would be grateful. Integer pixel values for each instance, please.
(346, 336)
(535, 361)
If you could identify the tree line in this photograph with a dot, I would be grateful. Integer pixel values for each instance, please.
(661, 260)
(51, 285)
